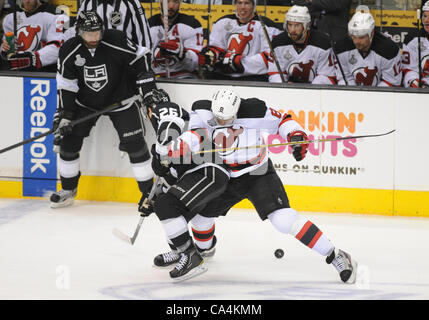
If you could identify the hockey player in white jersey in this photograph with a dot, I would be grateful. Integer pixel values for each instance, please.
(238, 48)
(303, 55)
(367, 58)
(413, 61)
(180, 50)
(235, 122)
(38, 39)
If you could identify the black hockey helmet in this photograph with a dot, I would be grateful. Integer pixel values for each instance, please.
(89, 21)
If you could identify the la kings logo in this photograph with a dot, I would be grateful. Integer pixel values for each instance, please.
(95, 77)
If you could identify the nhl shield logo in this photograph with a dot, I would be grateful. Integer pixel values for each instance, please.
(95, 77)
(115, 18)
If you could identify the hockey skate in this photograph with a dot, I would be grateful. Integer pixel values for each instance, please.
(345, 265)
(167, 259)
(63, 198)
(190, 265)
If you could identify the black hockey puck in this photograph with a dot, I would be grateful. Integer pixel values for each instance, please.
(279, 253)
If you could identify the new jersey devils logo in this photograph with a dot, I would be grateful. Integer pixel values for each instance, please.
(28, 38)
(239, 43)
(301, 72)
(227, 138)
(366, 76)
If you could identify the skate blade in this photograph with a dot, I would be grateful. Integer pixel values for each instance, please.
(65, 203)
(191, 274)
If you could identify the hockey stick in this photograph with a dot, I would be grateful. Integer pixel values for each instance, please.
(294, 143)
(209, 10)
(120, 235)
(273, 54)
(15, 27)
(74, 122)
(165, 23)
(339, 63)
(419, 48)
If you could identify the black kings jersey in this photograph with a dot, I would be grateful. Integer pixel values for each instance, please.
(97, 78)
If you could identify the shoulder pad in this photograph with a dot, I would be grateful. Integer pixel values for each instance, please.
(384, 46)
(252, 108)
(188, 20)
(282, 39)
(319, 39)
(344, 45)
(202, 105)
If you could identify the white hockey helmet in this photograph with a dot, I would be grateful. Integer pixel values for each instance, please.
(225, 104)
(298, 14)
(362, 23)
(425, 6)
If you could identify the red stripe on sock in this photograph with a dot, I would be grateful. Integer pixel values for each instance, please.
(303, 230)
(204, 231)
(316, 237)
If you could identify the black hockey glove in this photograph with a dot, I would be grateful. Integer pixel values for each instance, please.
(155, 96)
(299, 150)
(159, 167)
(146, 205)
(61, 127)
(24, 60)
(232, 63)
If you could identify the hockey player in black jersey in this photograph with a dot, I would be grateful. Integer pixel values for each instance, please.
(190, 185)
(98, 68)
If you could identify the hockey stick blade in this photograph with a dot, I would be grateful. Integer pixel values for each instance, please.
(122, 236)
(295, 142)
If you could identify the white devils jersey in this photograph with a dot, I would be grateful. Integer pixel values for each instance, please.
(38, 32)
(229, 35)
(254, 120)
(311, 62)
(186, 29)
(381, 67)
(410, 59)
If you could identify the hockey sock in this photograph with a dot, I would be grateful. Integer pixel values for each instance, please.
(203, 230)
(69, 173)
(310, 235)
(176, 230)
(288, 221)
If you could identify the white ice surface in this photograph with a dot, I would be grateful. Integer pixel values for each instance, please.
(71, 253)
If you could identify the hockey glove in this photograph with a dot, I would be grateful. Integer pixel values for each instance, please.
(173, 47)
(299, 150)
(25, 60)
(232, 63)
(208, 57)
(63, 128)
(145, 205)
(154, 97)
(159, 167)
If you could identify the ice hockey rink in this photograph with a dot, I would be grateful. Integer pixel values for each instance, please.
(71, 253)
